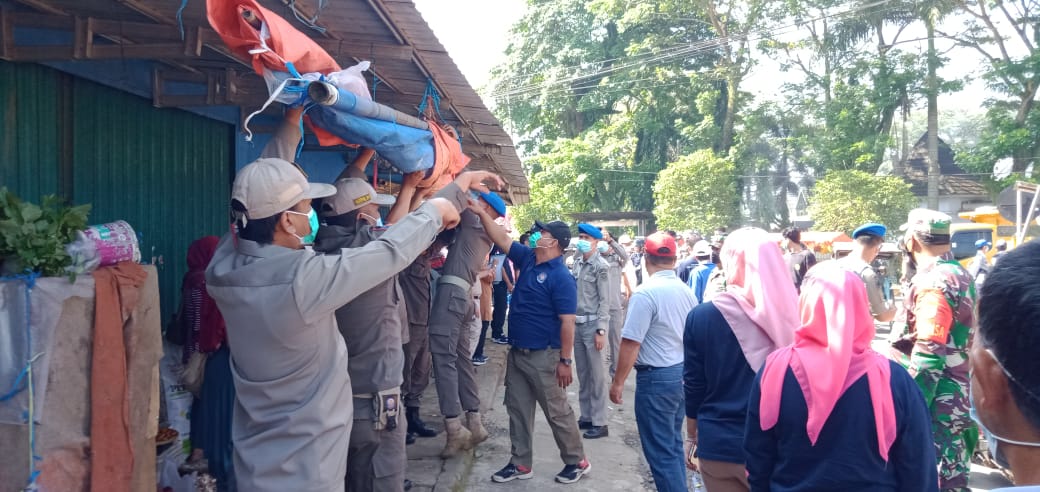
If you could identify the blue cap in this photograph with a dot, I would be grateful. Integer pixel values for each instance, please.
(496, 202)
(872, 229)
(982, 242)
(590, 230)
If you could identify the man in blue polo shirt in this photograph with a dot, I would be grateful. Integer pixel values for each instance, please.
(541, 327)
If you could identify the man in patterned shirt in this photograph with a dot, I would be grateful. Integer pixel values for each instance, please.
(940, 309)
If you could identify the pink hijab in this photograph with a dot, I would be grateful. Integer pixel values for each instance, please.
(760, 303)
(831, 352)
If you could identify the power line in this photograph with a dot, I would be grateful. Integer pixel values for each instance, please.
(691, 49)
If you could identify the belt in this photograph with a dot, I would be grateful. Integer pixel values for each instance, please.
(526, 351)
(456, 281)
(644, 367)
(586, 319)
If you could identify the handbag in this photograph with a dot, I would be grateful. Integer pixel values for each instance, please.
(194, 372)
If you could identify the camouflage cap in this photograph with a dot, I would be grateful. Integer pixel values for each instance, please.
(929, 225)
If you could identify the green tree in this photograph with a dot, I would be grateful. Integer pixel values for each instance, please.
(1007, 36)
(698, 191)
(844, 200)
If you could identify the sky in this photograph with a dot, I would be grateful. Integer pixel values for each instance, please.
(476, 34)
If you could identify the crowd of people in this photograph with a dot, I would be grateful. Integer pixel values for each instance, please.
(755, 365)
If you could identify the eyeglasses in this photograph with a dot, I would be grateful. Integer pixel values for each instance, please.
(1011, 378)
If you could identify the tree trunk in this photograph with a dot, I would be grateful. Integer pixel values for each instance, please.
(899, 166)
(933, 114)
(732, 86)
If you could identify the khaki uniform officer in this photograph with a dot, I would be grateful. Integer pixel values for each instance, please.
(590, 271)
(293, 409)
(371, 326)
(452, 308)
(416, 286)
(616, 258)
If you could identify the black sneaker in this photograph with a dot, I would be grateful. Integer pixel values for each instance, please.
(512, 472)
(584, 424)
(501, 340)
(573, 473)
(479, 360)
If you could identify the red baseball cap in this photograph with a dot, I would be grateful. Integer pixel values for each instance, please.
(661, 244)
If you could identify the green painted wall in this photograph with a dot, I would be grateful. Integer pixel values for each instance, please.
(165, 171)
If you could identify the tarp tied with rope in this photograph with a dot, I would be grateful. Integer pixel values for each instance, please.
(335, 116)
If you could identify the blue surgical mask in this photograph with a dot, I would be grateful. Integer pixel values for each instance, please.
(602, 247)
(533, 240)
(312, 218)
(378, 221)
(584, 246)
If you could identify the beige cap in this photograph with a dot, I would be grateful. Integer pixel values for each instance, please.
(352, 194)
(270, 186)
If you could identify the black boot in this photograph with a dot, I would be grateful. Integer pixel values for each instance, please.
(415, 424)
(409, 438)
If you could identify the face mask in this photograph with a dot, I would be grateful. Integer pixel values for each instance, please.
(584, 246)
(533, 240)
(375, 221)
(602, 248)
(312, 218)
(992, 439)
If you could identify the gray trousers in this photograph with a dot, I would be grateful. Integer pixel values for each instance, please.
(456, 379)
(592, 375)
(531, 379)
(417, 365)
(617, 322)
(376, 460)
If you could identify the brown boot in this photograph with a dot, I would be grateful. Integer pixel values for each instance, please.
(476, 427)
(458, 439)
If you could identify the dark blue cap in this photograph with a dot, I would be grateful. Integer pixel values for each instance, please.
(590, 230)
(496, 202)
(872, 229)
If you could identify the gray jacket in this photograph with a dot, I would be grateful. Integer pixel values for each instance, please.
(294, 405)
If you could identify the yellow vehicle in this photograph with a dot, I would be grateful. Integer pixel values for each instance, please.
(985, 223)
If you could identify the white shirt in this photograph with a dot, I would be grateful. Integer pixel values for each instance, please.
(656, 317)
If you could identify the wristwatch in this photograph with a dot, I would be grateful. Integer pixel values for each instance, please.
(601, 331)
(566, 362)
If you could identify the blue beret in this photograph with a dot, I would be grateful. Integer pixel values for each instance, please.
(496, 202)
(872, 229)
(590, 230)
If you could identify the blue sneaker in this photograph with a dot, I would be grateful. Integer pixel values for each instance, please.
(479, 360)
(512, 472)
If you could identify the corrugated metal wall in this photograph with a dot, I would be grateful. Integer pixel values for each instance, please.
(165, 171)
(29, 162)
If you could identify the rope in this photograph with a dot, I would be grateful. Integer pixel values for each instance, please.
(313, 21)
(375, 84)
(180, 17)
(431, 94)
(27, 373)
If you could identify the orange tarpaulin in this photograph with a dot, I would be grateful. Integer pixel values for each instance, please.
(448, 158)
(285, 43)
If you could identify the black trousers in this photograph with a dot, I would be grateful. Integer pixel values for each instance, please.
(498, 314)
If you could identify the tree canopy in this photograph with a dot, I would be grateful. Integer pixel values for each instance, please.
(845, 200)
(615, 103)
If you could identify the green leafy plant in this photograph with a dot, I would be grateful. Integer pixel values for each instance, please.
(33, 237)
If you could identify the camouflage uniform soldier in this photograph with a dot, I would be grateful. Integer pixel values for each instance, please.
(940, 307)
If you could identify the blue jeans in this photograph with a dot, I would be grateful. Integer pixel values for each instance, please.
(660, 408)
